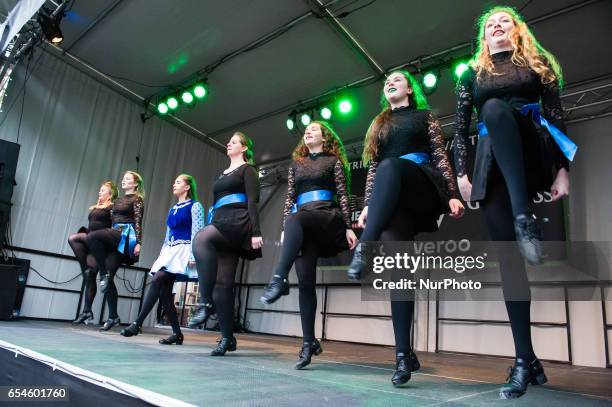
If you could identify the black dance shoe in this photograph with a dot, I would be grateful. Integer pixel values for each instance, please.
(111, 322)
(415, 362)
(224, 345)
(132, 330)
(174, 338)
(405, 364)
(308, 349)
(202, 314)
(358, 263)
(529, 236)
(273, 291)
(519, 376)
(104, 283)
(84, 317)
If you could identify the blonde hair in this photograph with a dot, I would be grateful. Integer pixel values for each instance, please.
(527, 51)
(139, 183)
(114, 194)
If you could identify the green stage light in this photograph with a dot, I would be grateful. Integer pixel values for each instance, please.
(162, 108)
(172, 102)
(200, 91)
(430, 80)
(326, 113)
(345, 106)
(290, 124)
(187, 97)
(305, 119)
(460, 68)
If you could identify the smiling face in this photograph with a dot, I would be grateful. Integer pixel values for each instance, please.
(235, 147)
(498, 29)
(313, 136)
(128, 182)
(180, 186)
(104, 194)
(397, 89)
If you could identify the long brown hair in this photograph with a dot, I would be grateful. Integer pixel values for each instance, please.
(247, 156)
(527, 51)
(380, 126)
(332, 144)
(114, 194)
(139, 183)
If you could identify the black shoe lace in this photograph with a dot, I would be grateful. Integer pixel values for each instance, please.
(510, 374)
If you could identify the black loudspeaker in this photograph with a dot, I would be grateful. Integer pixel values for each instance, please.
(9, 154)
(13, 278)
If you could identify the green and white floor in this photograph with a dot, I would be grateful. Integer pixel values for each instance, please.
(260, 373)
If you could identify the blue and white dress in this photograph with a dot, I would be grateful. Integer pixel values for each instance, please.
(185, 219)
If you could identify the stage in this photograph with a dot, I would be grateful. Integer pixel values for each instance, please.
(260, 372)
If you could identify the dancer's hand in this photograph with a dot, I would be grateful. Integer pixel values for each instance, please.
(465, 187)
(351, 238)
(362, 218)
(456, 208)
(191, 264)
(560, 187)
(137, 250)
(256, 242)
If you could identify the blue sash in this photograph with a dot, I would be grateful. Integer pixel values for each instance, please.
(311, 196)
(128, 236)
(418, 158)
(226, 200)
(567, 146)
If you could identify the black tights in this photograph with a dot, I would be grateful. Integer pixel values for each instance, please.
(306, 269)
(89, 267)
(103, 245)
(216, 264)
(399, 184)
(513, 140)
(296, 225)
(391, 214)
(498, 215)
(161, 288)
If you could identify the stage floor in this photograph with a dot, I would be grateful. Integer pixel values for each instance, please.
(260, 372)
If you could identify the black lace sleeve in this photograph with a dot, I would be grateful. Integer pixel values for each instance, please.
(436, 141)
(369, 186)
(465, 105)
(553, 112)
(138, 212)
(342, 193)
(251, 187)
(290, 199)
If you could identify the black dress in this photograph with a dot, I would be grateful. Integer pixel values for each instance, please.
(99, 218)
(518, 86)
(417, 131)
(239, 222)
(128, 209)
(315, 172)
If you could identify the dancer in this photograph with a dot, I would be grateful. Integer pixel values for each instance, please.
(232, 231)
(175, 261)
(99, 218)
(509, 75)
(409, 184)
(317, 223)
(124, 238)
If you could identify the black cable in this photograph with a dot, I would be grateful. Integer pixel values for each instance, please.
(54, 282)
(524, 6)
(20, 90)
(25, 81)
(347, 13)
